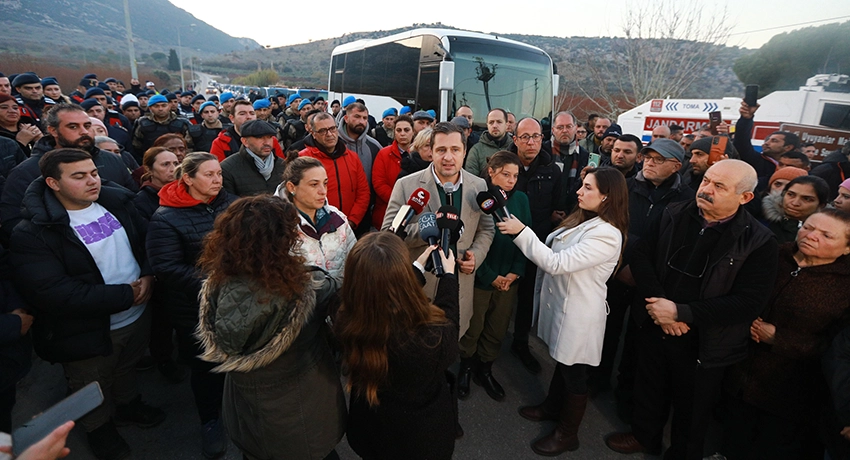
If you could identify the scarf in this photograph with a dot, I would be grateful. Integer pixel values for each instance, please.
(265, 166)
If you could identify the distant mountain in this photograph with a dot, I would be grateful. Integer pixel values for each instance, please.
(88, 23)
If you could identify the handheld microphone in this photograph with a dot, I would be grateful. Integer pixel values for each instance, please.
(429, 232)
(448, 221)
(417, 201)
(501, 200)
(449, 189)
(488, 205)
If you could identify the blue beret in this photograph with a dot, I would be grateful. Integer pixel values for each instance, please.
(262, 104)
(303, 103)
(432, 113)
(94, 92)
(404, 110)
(348, 101)
(157, 99)
(207, 104)
(225, 97)
(292, 98)
(49, 81)
(390, 112)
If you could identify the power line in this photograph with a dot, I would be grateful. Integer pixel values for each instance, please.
(789, 25)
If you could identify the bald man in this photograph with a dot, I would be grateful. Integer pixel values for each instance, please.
(661, 132)
(701, 281)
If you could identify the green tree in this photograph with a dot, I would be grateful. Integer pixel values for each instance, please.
(789, 59)
(173, 60)
(163, 77)
(261, 78)
(157, 56)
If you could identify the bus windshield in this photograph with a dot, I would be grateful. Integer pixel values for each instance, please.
(510, 77)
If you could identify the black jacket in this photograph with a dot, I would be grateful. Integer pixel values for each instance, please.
(15, 350)
(743, 144)
(737, 283)
(643, 209)
(11, 155)
(147, 202)
(174, 242)
(60, 280)
(110, 167)
(834, 174)
(241, 177)
(542, 183)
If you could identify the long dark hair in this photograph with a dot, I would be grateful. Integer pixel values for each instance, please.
(614, 209)
(254, 238)
(374, 317)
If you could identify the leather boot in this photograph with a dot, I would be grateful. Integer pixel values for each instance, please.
(551, 406)
(464, 375)
(565, 435)
(483, 376)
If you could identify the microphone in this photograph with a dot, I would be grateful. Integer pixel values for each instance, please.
(449, 188)
(501, 200)
(448, 221)
(429, 232)
(417, 201)
(487, 203)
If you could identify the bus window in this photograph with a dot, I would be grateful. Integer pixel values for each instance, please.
(429, 89)
(353, 74)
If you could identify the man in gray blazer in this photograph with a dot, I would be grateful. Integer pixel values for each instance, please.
(449, 147)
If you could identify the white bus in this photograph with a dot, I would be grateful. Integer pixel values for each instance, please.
(443, 69)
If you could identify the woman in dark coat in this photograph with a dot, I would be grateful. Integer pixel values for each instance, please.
(262, 321)
(778, 391)
(159, 165)
(397, 348)
(188, 208)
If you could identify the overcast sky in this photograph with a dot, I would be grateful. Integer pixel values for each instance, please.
(276, 23)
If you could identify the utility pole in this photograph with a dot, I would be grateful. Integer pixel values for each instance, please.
(134, 73)
(180, 53)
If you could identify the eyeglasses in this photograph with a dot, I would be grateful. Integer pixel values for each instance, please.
(677, 260)
(526, 137)
(656, 160)
(564, 127)
(326, 131)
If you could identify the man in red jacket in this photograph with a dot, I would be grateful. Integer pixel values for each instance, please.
(348, 189)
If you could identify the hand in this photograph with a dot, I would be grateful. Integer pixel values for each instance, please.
(558, 216)
(661, 310)
(678, 328)
(28, 133)
(448, 261)
(49, 448)
(762, 332)
(511, 278)
(510, 226)
(26, 320)
(846, 433)
(746, 111)
(423, 258)
(142, 289)
(467, 262)
(722, 129)
(500, 283)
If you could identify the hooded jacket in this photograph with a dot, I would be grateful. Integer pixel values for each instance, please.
(174, 241)
(773, 211)
(365, 147)
(60, 280)
(348, 187)
(476, 158)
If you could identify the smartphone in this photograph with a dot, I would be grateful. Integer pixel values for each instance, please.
(714, 119)
(718, 149)
(751, 95)
(593, 160)
(73, 407)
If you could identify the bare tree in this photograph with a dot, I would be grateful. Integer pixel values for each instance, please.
(665, 46)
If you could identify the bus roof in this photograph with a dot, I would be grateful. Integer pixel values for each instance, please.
(440, 33)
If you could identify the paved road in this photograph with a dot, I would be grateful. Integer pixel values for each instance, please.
(493, 429)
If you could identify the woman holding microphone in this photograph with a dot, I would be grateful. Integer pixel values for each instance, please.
(574, 265)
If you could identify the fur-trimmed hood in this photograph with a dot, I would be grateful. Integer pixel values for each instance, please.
(244, 328)
(771, 205)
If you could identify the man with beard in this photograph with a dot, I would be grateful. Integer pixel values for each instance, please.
(31, 100)
(296, 130)
(229, 140)
(700, 150)
(184, 105)
(496, 138)
(26, 135)
(204, 133)
(352, 131)
(625, 154)
(608, 138)
(69, 127)
(160, 121)
(384, 132)
(592, 142)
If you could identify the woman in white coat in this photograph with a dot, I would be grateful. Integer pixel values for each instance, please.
(573, 266)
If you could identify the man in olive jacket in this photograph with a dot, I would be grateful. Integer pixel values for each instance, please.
(255, 169)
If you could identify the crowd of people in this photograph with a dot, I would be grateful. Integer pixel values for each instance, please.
(237, 243)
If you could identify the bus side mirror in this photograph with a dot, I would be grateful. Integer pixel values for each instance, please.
(447, 76)
(556, 80)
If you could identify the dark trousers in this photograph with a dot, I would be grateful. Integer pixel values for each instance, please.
(7, 402)
(525, 304)
(668, 376)
(207, 387)
(750, 433)
(619, 298)
(161, 345)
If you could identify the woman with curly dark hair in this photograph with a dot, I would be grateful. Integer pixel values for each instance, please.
(397, 349)
(262, 315)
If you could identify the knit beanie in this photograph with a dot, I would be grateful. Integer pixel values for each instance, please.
(788, 173)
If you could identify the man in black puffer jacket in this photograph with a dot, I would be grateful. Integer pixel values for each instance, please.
(80, 263)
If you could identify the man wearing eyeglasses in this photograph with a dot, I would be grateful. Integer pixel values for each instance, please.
(348, 188)
(540, 179)
(703, 273)
(650, 191)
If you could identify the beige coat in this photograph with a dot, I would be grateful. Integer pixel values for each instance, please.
(569, 300)
(477, 232)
